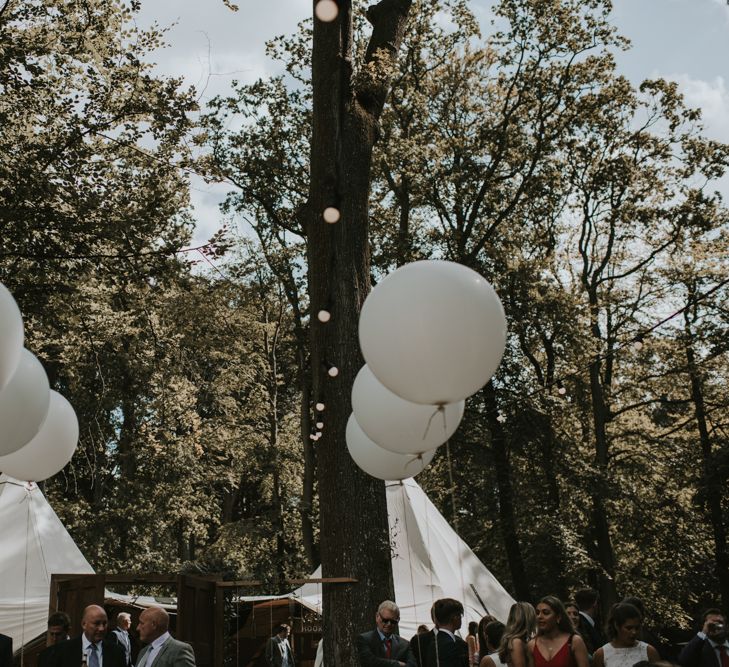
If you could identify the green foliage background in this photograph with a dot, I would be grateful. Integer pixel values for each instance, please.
(589, 204)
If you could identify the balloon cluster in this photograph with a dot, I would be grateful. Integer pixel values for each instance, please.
(432, 334)
(38, 427)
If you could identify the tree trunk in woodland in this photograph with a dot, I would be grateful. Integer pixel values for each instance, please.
(507, 518)
(600, 524)
(710, 487)
(353, 509)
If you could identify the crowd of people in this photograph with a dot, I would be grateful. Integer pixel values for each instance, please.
(550, 634)
(97, 646)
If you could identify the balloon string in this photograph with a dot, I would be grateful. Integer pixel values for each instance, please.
(441, 409)
(416, 457)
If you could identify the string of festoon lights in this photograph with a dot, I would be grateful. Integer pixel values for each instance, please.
(326, 10)
(38, 427)
(432, 333)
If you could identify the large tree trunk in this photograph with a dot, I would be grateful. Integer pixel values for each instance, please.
(353, 509)
(600, 525)
(306, 507)
(507, 518)
(709, 483)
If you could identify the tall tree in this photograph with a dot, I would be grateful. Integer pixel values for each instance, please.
(347, 103)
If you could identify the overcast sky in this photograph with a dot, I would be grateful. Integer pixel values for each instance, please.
(682, 40)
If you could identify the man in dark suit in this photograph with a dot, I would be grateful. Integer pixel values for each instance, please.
(90, 647)
(278, 650)
(709, 648)
(588, 602)
(382, 647)
(6, 651)
(445, 649)
(162, 649)
(59, 625)
(120, 635)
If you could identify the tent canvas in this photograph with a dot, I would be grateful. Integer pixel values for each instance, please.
(429, 561)
(34, 545)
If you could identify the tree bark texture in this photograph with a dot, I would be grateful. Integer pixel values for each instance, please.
(354, 538)
(504, 486)
(709, 482)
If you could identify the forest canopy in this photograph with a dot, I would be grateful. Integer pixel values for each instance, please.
(598, 453)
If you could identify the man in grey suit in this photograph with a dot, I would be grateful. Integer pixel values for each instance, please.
(161, 650)
(278, 649)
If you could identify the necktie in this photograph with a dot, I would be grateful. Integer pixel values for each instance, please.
(93, 656)
(388, 648)
(723, 656)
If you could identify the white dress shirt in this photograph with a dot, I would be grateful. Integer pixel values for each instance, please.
(154, 648)
(86, 649)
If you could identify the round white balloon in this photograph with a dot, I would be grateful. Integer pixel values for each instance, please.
(433, 332)
(23, 404)
(11, 335)
(379, 462)
(50, 450)
(399, 425)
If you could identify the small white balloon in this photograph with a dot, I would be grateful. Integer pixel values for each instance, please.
(333, 371)
(319, 407)
(23, 404)
(11, 335)
(331, 214)
(52, 447)
(320, 425)
(433, 332)
(324, 316)
(326, 10)
(399, 425)
(379, 462)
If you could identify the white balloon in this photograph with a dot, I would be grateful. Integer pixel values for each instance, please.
(399, 425)
(433, 332)
(23, 404)
(11, 335)
(50, 450)
(379, 462)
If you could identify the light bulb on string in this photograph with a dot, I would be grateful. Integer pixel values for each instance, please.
(326, 10)
(318, 434)
(320, 407)
(332, 370)
(320, 425)
(638, 343)
(312, 436)
(324, 316)
(561, 389)
(331, 214)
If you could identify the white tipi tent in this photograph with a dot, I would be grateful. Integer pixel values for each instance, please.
(34, 544)
(429, 561)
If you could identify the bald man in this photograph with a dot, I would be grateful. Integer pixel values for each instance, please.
(90, 647)
(161, 650)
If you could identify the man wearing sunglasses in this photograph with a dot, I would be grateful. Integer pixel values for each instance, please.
(382, 647)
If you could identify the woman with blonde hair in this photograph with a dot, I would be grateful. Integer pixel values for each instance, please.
(519, 630)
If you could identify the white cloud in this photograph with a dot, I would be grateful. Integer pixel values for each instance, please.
(209, 47)
(712, 97)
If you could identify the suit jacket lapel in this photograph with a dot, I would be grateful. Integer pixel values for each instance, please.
(162, 649)
(378, 646)
(143, 653)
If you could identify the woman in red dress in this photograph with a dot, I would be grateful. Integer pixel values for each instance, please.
(556, 643)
